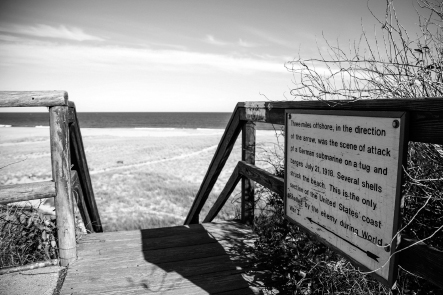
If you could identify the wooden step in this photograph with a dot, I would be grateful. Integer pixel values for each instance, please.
(208, 258)
(26, 191)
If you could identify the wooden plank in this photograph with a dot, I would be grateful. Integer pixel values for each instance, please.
(218, 162)
(82, 180)
(27, 191)
(33, 98)
(112, 258)
(61, 167)
(176, 267)
(198, 266)
(112, 278)
(212, 283)
(224, 196)
(426, 115)
(247, 185)
(263, 177)
(96, 249)
(79, 202)
(201, 236)
(422, 260)
(81, 165)
(71, 115)
(219, 230)
(229, 237)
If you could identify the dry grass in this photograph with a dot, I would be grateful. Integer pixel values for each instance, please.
(141, 179)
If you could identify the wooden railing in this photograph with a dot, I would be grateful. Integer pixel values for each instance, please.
(425, 125)
(66, 149)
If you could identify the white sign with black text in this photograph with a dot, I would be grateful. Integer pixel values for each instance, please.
(342, 181)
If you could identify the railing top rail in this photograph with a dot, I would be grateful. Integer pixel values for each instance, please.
(425, 115)
(431, 104)
(33, 98)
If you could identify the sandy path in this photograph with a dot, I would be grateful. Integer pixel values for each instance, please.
(121, 167)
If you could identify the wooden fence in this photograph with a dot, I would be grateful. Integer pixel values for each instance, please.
(66, 149)
(425, 125)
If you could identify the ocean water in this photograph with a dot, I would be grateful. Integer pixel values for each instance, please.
(128, 120)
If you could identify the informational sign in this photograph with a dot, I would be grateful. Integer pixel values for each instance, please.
(343, 181)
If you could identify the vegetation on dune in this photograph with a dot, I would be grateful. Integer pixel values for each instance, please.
(26, 236)
(394, 66)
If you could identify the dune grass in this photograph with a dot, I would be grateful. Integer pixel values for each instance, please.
(140, 179)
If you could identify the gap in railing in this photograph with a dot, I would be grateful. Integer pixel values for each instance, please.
(147, 178)
(25, 151)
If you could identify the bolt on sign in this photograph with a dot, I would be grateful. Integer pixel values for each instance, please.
(343, 181)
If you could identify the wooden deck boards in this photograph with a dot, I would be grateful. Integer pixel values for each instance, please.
(210, 258)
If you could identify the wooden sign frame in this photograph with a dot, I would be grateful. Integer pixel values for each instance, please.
(323, 233)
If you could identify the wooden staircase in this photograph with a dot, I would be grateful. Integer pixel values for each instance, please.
(208, 258)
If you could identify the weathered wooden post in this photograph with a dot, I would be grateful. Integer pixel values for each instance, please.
(61, 166)
(247, 185)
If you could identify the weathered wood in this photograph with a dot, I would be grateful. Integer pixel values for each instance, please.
(220, 230)
(263, 177)
(247, 185)
(27, 191)
(174, 264)
(426, 115)
(71, 115)
(422, 260)
(61, 167)
(198, 238)
(218, 162)
(33, 98)
(169, 283)
(224, 195)
(78, 159)
(186, 237)
(80, 210)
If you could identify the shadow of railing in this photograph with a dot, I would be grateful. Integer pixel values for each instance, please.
(196, 259)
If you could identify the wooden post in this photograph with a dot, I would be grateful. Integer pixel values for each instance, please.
(247, 185)
(61, 166)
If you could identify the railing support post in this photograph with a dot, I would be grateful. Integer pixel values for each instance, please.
(247, 185)
(61, 167)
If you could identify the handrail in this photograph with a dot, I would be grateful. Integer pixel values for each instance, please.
(66, 146)
(218, 162)
(426, 125)
(80, 164)
(33, 98)
(79, 200)
(26, 191)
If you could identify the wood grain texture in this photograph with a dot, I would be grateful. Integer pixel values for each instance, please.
(224, 195)
(61, 167)
(27, 191)
(80, 209)
(426, 115)
(247, 185)
(33, 98)
(218, 162)
(78, 159)
(262, 177)
(208, 258)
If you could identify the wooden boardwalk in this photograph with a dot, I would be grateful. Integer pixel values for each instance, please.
(208, 258)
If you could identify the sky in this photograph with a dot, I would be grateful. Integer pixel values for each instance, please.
(172, 56)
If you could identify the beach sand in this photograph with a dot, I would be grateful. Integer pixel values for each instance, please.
(141, 178)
